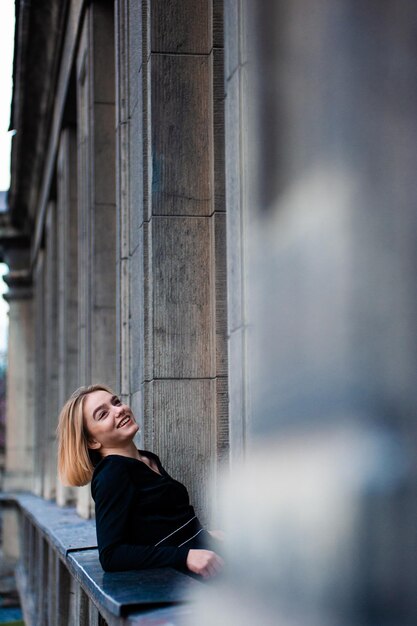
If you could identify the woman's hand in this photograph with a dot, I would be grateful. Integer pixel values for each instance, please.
(204, 562)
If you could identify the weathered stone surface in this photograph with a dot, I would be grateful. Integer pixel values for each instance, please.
(134, 52)
(48, 440)
(103, 257)
(181, 26)
(104, 153)
(237, 394)
(102, 51)
(136, 299)
(39, 370)
(20, 397)
(220, 272)
(136, 177)
(234, 199)
(233, 32)
(183, 283)
(222, 423)
(218, 130)
(183, 433)
(97, 225)
(182, 151)
(147, 302)
(67, 243)
(119, 592)
(218, 23)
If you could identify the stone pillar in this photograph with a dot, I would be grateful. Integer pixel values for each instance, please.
(48, 428)
(40, 373)
(178, 356)
(322, 515)
(46, 366)
(67, 276)
(19, 465)
(20, 387)
(96, 202)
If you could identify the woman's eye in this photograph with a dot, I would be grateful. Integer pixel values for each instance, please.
(117, 402)
(102, 414)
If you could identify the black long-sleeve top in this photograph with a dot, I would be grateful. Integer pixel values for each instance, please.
(143, 519)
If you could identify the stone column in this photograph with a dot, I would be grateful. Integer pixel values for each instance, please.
(322, 515)
(47, 435)
(19, 467)
(181, 242)
(96, 202)
(20, 370)
(67, 276)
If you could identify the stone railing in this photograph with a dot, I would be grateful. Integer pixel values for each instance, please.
(61, 582)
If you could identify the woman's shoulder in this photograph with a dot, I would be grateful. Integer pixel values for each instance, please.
(111, 469)
(114, 465)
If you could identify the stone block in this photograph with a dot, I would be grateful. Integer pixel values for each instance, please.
(222, 421)
(181, 26)
(102, 48)
(219, 235)
(184, 434)
(182, 150)
(183, 283)
(218, 23)
(237, 390)
(219, 130)
(104, 256)
(103, 346)
(104, 153)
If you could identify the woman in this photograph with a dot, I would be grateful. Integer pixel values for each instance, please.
(143, 516)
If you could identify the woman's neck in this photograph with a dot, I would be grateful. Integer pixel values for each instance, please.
(128, 450)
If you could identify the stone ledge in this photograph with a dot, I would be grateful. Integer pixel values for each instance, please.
(62, 527)
(135, 595)
(120, 593)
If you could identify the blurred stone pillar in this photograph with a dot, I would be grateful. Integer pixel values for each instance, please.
(20, 373)
(321, 517)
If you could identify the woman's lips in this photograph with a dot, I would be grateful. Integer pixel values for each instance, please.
(124, 421)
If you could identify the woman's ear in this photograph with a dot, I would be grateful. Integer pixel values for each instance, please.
(93, 444)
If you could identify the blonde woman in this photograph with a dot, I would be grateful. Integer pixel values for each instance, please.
(143, 516)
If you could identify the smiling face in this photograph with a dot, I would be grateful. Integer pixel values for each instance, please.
(109, 423)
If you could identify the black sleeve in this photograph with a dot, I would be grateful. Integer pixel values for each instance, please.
(113, 492)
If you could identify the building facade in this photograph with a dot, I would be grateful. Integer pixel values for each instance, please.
(212, 211)
(119, 189)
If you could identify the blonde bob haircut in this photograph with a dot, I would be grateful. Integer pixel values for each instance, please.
(75, 460)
